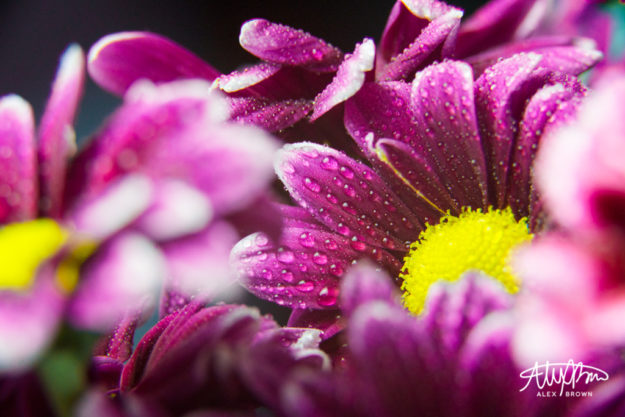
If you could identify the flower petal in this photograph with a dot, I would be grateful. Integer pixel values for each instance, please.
(269, 115)
(552, 105)
(125, 276)
(427, 47)
(348, 79)
(28, 322)
(494, 95)
(444, 109)
(116, 61)
(57, 140)
(405, 23)
(284, 45)
(497, 22)
(346, 196)
(365, 283)
(303, 269)
(328, 321)
(18, 176)
(198, 265)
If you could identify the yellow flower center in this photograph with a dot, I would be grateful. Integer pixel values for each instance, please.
(23, 247)
(472, 241)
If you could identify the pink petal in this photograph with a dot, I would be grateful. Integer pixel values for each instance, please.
(346, 196)
(443, 104)
(494, 95)
(57, 141)
(284, 45)
(303, 269)
(125, 276)
(268, 115)
(497, 22)
(116, 61)
(18, 161)
(427, 47)
(242, 79)
(28, 322)
(348, 80)
(328, 321)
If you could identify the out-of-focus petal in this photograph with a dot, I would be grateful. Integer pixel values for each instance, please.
(365, 283)
(348, 79)
(116, 61)
(177, 209)
(18, 161)
(124, 276)
(198, 265)
(284, 45)
(346, 196)
(57, 139)
(28, 322)
(442, 97)
(497, 22)
(328, 321)
(150, 116)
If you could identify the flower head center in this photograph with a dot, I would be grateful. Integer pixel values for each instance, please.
(23, 247)
(472, 241)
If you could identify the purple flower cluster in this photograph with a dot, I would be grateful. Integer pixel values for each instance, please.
(455, 245)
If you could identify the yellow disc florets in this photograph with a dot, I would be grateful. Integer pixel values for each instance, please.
(23, 247)
(472, 241)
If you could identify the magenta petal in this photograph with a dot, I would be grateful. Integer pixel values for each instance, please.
(494, 91)
(284, 45)
(303, 270)
(365, 283)
(116, 61)
(123, 277)
(346, 196)
(423, 50)
(328, 321)
(444, 109)
(348, 79)
(268, 115)
(242, 79)
(569, 59)
(57, 141)
(198, 265)
(497, 22)
(549, 107)
(28, 322)
(18, 161)
(405, 23)
(118, 344)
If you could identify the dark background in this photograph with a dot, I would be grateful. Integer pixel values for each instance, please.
(33, 34)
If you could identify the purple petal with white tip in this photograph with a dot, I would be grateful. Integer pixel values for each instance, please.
(427, 47)
(444, 109)
(346, 196)
(303, 269)
(57, 140)
(348, 79)
(124, 277)
(18, 161)
(494, 95)
(247, 77)
(116, 61)
(284, 45)
(328, 321)
(266, 114)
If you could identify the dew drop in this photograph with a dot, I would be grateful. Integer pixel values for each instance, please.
(327, 297)
(305, 286)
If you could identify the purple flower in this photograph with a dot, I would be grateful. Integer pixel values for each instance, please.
(303, 77)
(453, 360)
(576, 299)
(152, 205)
(226, 359)
(443, 143)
